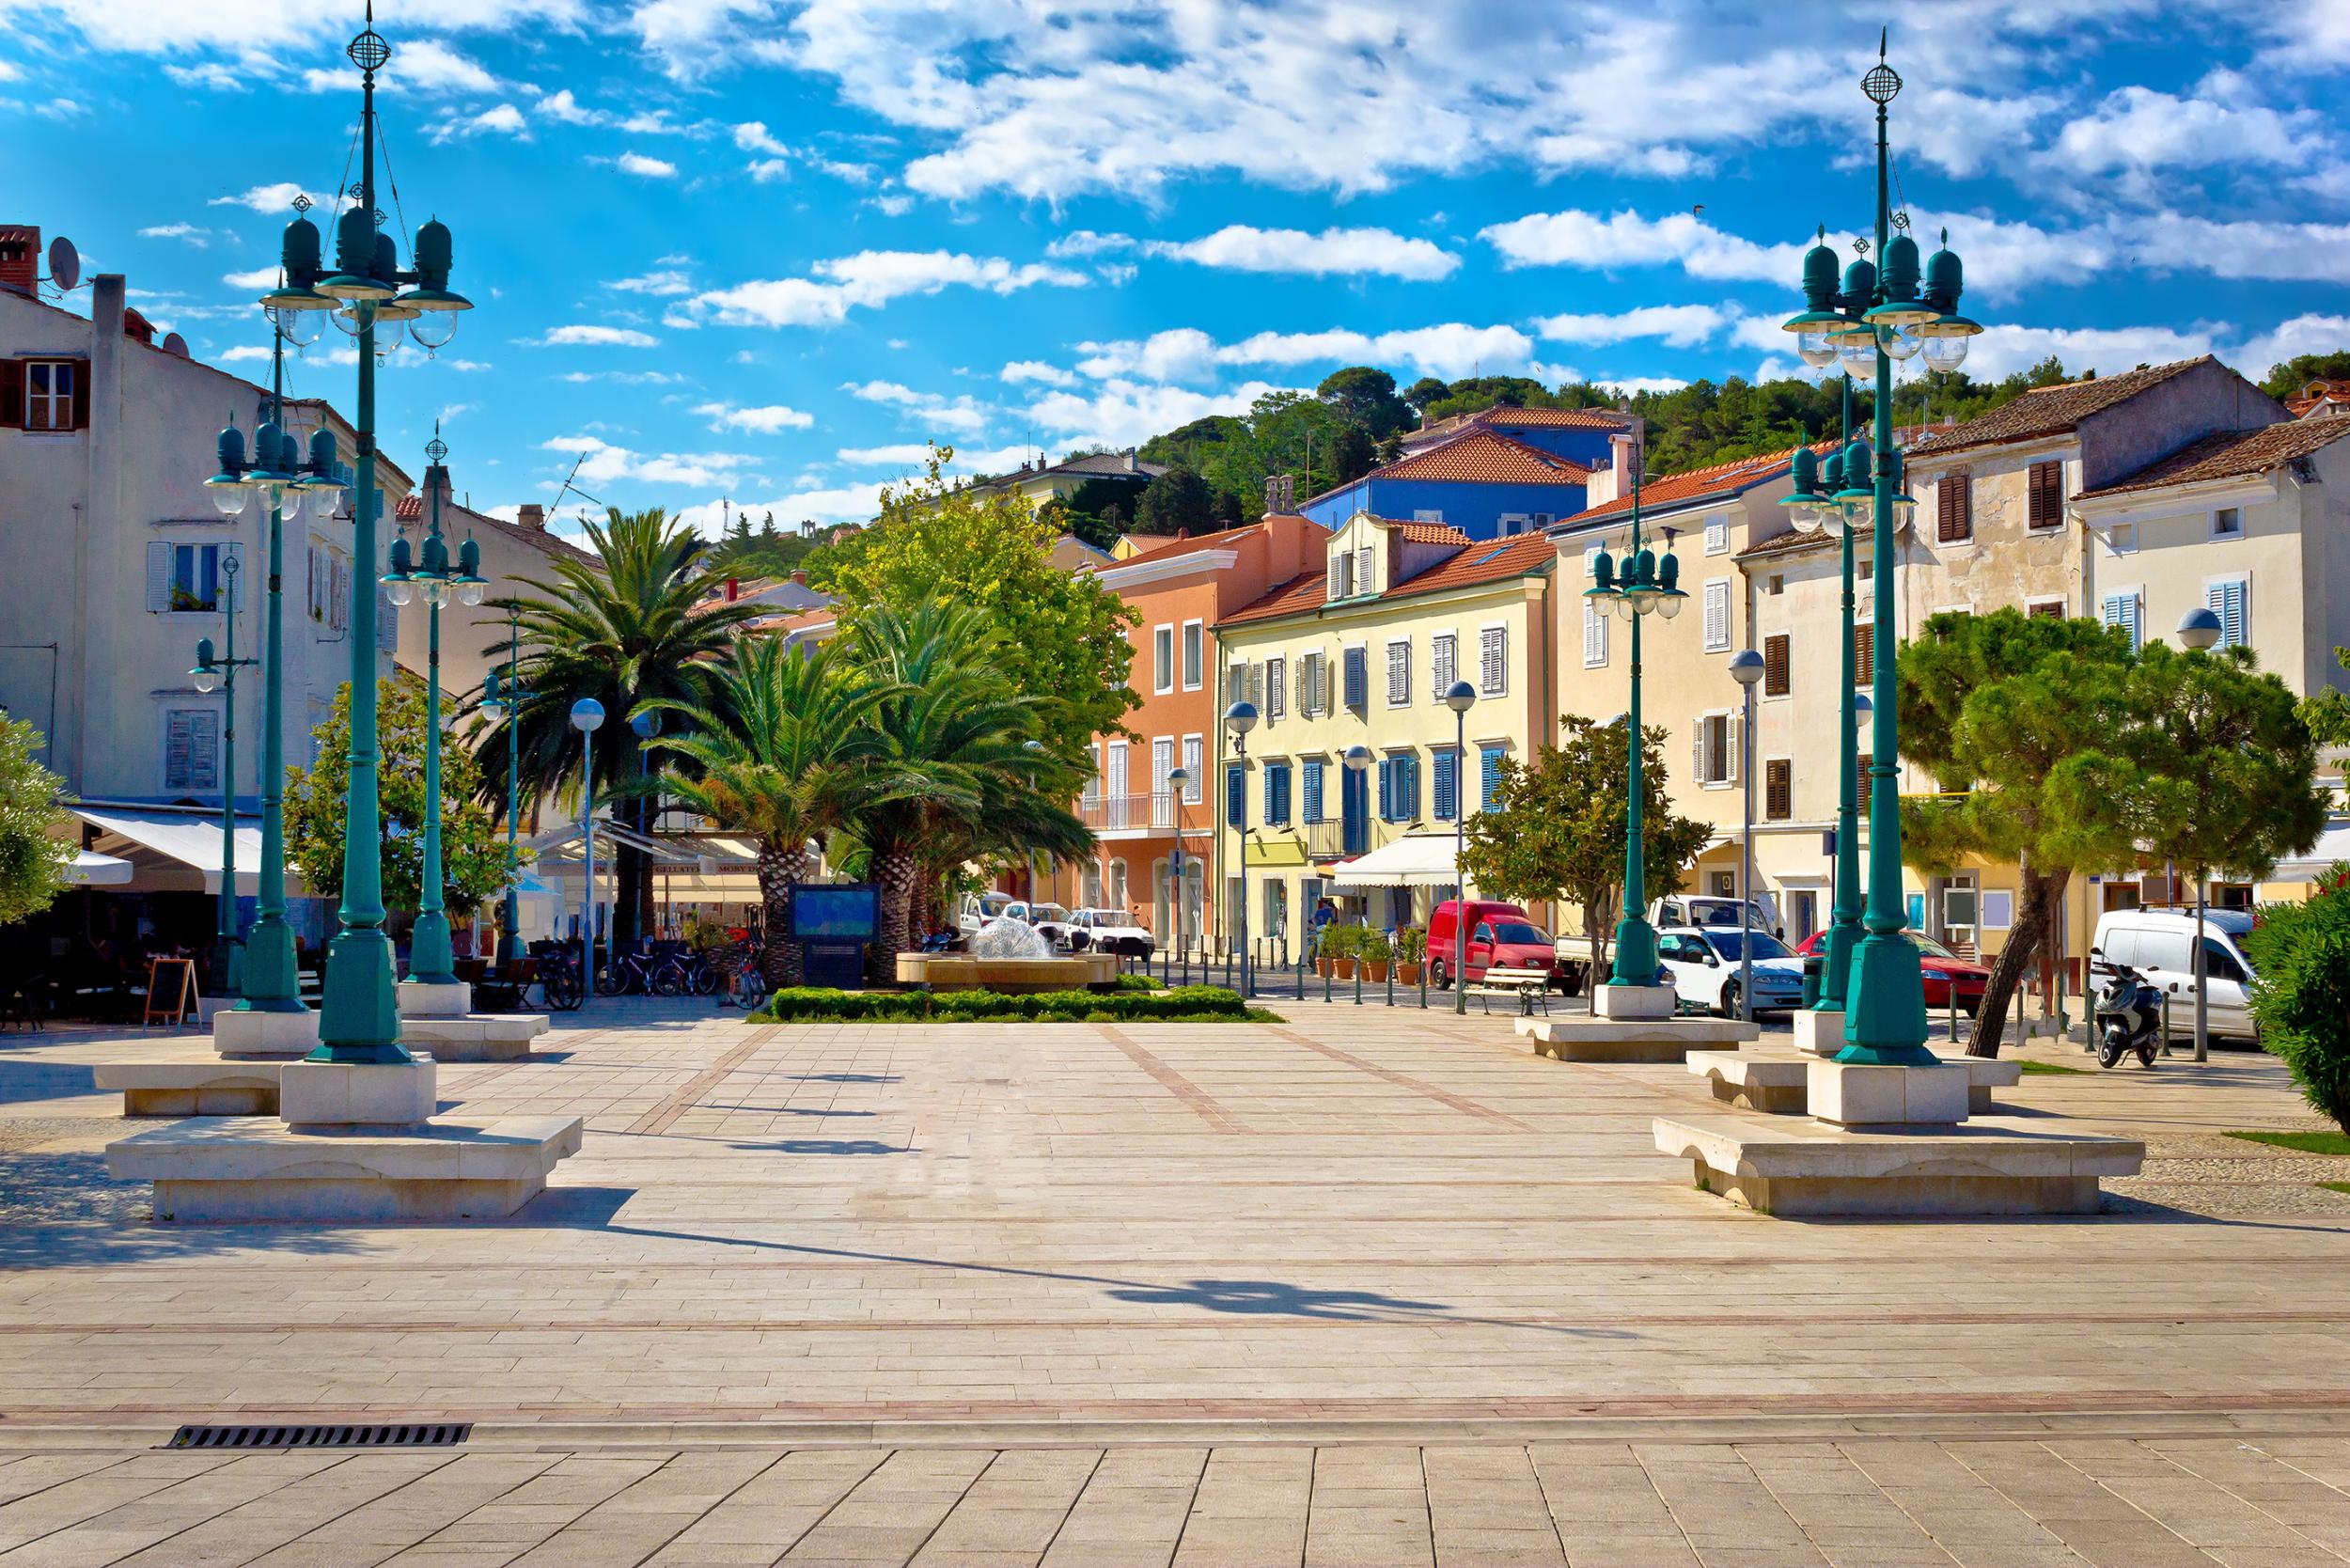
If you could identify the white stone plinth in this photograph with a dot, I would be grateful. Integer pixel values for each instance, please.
(1634, 1001)
(330, 1094)
(420, 1001)
(1821, 1034)
(288, 1035)
(195, 1086)
(1633, 1040)
(1779, 1083)
(1793, 1167)
(1852, 1094)
(481, 1037)
(257, 1169)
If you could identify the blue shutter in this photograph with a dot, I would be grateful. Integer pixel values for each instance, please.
(1447, 785)
(1491, 777)
(1407, 789)
(1235, 794)
(1357, 677)
(1313, 792)
(2226, 601)
(1277, 794)
(1386, 788)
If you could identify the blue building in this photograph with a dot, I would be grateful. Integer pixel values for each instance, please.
(1579, 435)
(1486, 484)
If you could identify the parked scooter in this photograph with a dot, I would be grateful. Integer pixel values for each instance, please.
(2128, 1015)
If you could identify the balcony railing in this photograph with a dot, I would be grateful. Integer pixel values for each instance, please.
(1157, 812)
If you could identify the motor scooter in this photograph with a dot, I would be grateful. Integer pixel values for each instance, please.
(2128, 1015)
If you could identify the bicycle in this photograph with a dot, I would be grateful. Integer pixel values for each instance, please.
(629, 974)
(558, 982)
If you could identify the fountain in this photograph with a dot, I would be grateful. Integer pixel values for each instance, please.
(1007, 955)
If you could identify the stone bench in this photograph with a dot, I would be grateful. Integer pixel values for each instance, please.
(1789, 1167)
(1633, 1040)
(197, 1085)
(1776, 1083)
(257, 1169)
(477, 1036)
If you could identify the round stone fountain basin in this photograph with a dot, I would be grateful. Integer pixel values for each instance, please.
(972, 972)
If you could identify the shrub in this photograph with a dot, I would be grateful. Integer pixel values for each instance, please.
(1411, 945)
(1374, 947)
(2302, 996)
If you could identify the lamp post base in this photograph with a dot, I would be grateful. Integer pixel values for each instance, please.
(243, 1032)
(1613, 1000)
(359, 1014)
(1885, 1016)
(421, 998)
(1820, 1030)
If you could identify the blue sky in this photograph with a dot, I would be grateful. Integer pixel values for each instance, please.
(761, 250)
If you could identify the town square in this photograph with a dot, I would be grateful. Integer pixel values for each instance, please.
(1194, 785)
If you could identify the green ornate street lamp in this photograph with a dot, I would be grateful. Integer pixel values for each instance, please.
(1880, 317)
(283, 483)
(219, 670)
(359, 1023)
(432, 957)
(507, 698)
(1647, 585)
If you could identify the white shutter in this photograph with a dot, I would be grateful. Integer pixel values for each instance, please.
(1340, 565)
(1594, 636)
(387, 624)
(1717, 535)
(1493, 670)
(1363, 578)
(1696, 750)
(158, 576)
(1445, 663)
(1399, 674)
(1734, 742)
(1716, 617)
(1276, 691)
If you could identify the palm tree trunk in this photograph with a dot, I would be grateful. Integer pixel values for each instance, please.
(896, 872)
(780, 865)
(2033, 923)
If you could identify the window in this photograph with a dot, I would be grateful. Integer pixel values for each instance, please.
(1364, 581)
(1777, 584)
(1312, 690)
(1162, 778)
(1443, 663)
(2045, 609)
(1341, 576)
(1235, 795)
(1779, 789)
(184, 577)
(1717, 536)
(1864, 654)
(1195, 656)
(1358, 675)
(1774, 671)
(191, 749)
(2045, 495)
(2229, 599)
(1715, 745)
(1489, 791)
(1716, 616)
(1277, 794)
(1162, 658)
(1276, 672)
(2121, 539)
(1429, 515)
(1447, 786)
(1595, 637)
(2227, 520)
(1590, 561)
(1311, 791)
(1399, 673)
(2121, 610)
(50, 399)
(1513, 523)
(1195, 770)
(1955, 508)
(1091, 789)
(1493, 661)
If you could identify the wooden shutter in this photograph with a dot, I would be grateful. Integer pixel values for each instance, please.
(1399, 674)
(12, 394)
(1864, 654)
(1386, 788)
(1779, 789)
(1444, 658)
(1954, 508)
(80, 371)
(1775, 672)
(1716, 615)
(158, 576)
(1276, 687)
(1235, 795)
(2045, 495)
(1410, 773)
(1314, 791)
(1363, 579)
(1595, 637)
(1341, 565)
(1492, 662)
(1489, 778)
(1357, 677)
(2052, 609)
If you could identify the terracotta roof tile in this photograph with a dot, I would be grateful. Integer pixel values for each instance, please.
(2050, 410)
(1694, 484)
(1174, 547)
(2231, 454)
(1501, 417)
(1486, 561)
(1430, 533)
(1483, 457)
(1791, 542)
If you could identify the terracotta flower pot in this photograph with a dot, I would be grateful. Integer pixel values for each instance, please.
(1325, 968)
(1408, 972)
(1345, 967)
(1375, 970)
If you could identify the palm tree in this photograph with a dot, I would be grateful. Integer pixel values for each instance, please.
(783, 749)
(954, 742)
(641, 624)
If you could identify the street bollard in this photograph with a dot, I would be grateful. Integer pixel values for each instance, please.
(1358, 982)
(2165, 1011)
(1391, 983)
(1326, 985)
(1423, 984)
(1953, 1014)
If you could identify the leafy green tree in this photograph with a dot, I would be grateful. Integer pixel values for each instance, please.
(1426, 390)
(643, 620)
(32, 859)
(2286, 380)
(2301, 999)
(1352, 454)
(1559, 827)
(1062, 635)
(1176, 501)
(2326, 712)
(783, 749)
(473, 856)
(1365, 397)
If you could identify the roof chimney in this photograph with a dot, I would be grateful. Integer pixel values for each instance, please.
(734, 589)
(20, 257)
(800, 577)
(530, 514)
(1133, 464)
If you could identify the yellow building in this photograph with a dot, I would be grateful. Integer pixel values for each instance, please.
(1360, 653)
(1041, 482)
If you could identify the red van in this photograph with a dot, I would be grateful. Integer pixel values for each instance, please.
(1500, 936)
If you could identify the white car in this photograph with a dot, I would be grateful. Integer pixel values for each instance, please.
(1050, 919)
(1108, 931)
(1703, 963)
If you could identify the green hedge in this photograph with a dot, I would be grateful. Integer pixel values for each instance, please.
(1185, 1003)
(2301, 999)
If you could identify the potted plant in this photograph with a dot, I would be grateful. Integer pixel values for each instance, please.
(1378, 952)
(1326, 951)
(1411, 955)
(1345, 949)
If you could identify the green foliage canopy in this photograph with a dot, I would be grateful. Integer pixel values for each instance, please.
(32, 860)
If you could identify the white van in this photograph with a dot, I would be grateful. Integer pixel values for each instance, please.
(2158, 944)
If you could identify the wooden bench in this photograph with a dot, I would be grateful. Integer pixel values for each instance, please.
(1525, 986)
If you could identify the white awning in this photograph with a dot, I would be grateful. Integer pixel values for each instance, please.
(160, 845)
(1415, 860)
(2332, 846)
(90, 868)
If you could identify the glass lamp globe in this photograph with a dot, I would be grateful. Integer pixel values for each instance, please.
(1814, 349)
(387, 333)
(299, 327)
(1669, 601)
(347, 323)
(205, 678)
(433, 329)
(435, 591)
(399, 590)
(1859, 355)
(1945, 353)
(1898, 343)
(469, 589)
(229, 499)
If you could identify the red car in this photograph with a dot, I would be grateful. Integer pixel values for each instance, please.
(1941, 969)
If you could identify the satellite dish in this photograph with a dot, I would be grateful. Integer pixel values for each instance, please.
(174, 343)
(65, 264)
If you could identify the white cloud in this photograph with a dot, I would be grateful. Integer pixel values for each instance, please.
(905, 452)
(502, 119)
(1085, 242)
(1452, 349)
(2137, 128)
(848, 503)
(601, 336)
(1681, 325)
(564, 109)
(962, 415)
(1122, 413)
(868, 279)
(661, 283)
(624, 378)
(259, 278)
(1241, 248)
(767, 171)
(1036, 370)
(644, 167)
(244, 353)
(2305, 334)
(606, 461)
(1574, 237)
(766, 421)
(199, 238)
(2002, 350)
(264, 198)
(752, 136)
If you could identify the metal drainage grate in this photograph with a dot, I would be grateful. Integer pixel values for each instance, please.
(417, 1434)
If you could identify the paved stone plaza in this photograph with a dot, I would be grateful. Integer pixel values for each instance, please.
(1369, 1287)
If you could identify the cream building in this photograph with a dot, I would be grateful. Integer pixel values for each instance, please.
(517, 557)
(1359, 650)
